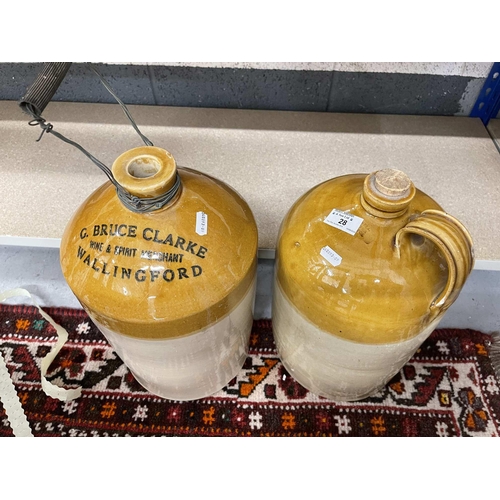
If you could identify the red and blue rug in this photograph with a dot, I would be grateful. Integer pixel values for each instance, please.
(449, 388)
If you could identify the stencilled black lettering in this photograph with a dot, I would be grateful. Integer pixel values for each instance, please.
(140, 275)
(201, 252)
(96, 245)
(180, 243)
(168, 275)
(126, 273)
(125, 251)
(161, 256)
(182, 272)
(102, 248)
(190, 247)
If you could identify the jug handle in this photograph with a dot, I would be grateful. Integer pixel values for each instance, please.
(453, 240)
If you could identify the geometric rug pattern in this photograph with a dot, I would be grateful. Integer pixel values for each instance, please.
(449, 388)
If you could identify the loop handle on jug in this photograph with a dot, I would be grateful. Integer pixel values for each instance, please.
(455, 243)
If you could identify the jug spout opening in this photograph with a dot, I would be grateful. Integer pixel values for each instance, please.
(144, 166)
(145, 172)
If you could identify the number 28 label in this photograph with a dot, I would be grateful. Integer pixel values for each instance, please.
(344, 221)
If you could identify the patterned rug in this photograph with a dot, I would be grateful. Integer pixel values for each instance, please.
(448, 388)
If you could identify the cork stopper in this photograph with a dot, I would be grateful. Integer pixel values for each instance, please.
(387, 193)
(145, 172)
(392, 183)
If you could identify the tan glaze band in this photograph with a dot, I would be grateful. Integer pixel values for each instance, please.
(358, 300)
(178, 328)
(153, 275)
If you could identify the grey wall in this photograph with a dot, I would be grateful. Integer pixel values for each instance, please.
(391, 88)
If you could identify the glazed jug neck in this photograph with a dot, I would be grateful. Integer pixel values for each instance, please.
(387, 193)
(145, 172)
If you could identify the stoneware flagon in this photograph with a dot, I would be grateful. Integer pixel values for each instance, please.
(366, 266)
(173, 289)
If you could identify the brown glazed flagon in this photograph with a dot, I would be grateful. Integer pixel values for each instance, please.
(366, 267)
(172, 289)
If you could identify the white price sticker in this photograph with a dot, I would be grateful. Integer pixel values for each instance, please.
(331, 256)
(344, 221)
(201, 223)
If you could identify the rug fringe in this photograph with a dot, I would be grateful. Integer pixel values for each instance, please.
(494, 349)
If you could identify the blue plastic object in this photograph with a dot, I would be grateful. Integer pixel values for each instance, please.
(488, 101)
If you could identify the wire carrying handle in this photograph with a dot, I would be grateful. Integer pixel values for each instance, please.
(38, 97)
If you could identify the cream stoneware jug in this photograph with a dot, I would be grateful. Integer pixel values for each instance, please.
(366, 266)
(173, 289)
